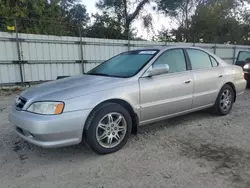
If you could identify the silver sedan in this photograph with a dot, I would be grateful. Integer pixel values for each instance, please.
(131, 89)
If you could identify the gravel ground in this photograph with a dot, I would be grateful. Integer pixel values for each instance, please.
(192, 151)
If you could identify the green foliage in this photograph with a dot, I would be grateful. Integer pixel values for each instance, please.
(105, 26)
(169, 6)
(215, 21)
(121, 11)
(165, 36)
(57, 17)
(210, 21)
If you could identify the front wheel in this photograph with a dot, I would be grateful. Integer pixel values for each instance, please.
(108, 128)
(224, 101)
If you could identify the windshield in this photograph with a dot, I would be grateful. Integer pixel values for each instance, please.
(124, 65)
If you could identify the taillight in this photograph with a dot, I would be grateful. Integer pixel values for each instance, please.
(244, 75)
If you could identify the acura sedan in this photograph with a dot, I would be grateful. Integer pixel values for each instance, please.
(104, 106)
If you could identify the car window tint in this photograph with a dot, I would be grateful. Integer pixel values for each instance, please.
(214, 62)
(199, 59)
(174, 58)
(243, 56)
(125, 65)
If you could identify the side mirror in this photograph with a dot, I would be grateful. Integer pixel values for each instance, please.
(157, 70)
(246, 66)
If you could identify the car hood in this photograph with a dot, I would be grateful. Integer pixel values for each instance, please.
(71, 87)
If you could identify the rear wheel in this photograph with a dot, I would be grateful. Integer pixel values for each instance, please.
(224, 101)
(108, 128)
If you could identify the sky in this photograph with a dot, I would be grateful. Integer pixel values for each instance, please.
(159, 20)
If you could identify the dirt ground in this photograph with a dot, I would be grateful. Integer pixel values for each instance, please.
(199, 150)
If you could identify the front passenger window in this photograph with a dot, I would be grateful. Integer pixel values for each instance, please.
(174, 58)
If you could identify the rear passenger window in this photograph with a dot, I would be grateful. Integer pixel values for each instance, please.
(199, 59)
(214, 62)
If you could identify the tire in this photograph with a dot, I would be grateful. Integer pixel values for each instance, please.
(100, 130)
(219, 108)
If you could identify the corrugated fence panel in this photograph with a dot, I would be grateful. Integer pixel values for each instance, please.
(226, 52)
(49, 48)
(50, 71)
(9, 73)
(8, 48)
(102, 49)
(46, 57)
(209, 47)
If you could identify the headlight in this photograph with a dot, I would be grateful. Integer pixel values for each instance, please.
(46, 108)
(17, 100)
(246, 66)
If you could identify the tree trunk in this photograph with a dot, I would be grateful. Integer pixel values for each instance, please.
(187, 22)
(127, 29)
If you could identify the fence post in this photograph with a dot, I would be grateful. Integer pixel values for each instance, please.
(128, 44)
(128, 38)
(81, 49)
(215, 48)
(234, 55)
(19, 52)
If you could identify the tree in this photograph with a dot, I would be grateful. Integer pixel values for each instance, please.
(165, 35)
(78, 15)
(55, 17)
(122, 11)
(105, 26)
(126, 11)
(213, 21)
(67, 4)
(216, 22)
(78, 19)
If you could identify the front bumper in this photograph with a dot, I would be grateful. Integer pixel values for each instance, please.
(49, 130)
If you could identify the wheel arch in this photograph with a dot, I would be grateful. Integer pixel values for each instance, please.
(127, 106)
(233, 87)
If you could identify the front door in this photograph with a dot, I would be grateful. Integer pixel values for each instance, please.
(169, 93)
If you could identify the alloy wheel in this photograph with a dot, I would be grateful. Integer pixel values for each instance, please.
(226, 100)
(111, 130)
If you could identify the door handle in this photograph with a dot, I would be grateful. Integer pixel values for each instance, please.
(188, 81)
(221, 76)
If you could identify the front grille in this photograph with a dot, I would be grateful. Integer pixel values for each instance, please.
(24, 132)
(20, 102)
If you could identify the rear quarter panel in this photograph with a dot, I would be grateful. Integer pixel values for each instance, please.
(234, 74)
(239, 81)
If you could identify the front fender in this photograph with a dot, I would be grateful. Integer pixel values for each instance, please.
(128, 93)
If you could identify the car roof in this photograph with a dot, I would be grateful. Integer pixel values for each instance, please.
(169, 47)
(163, 48)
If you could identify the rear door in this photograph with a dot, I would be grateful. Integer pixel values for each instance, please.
(208, 77)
